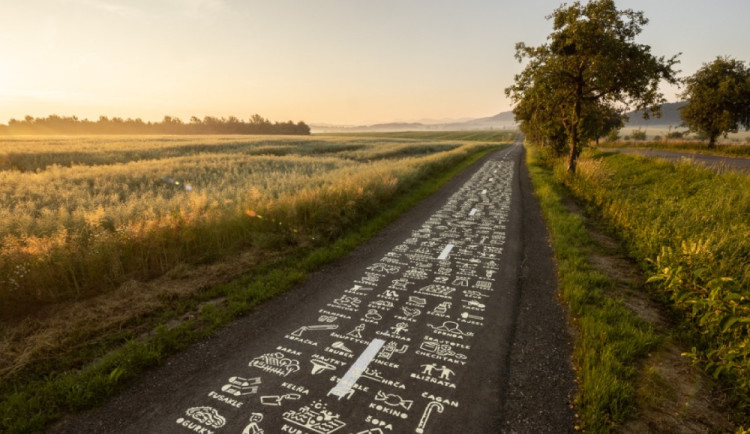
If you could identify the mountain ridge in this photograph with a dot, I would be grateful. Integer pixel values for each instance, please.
(501, 121)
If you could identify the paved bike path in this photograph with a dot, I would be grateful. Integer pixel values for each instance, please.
(412, 332)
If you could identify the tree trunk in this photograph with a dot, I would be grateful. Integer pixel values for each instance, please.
(574, 151)
(712, 142)
(575, 147)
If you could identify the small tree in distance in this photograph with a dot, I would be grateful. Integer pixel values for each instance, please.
(718, 98)
(591, 62)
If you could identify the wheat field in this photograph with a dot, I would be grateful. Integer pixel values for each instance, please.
(80, 215)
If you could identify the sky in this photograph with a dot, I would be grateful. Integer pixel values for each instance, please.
(320, 61)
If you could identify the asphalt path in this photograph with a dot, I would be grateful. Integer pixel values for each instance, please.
(715, 161)
(447, 321)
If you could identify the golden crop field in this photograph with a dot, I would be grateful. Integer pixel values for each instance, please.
(80, 215)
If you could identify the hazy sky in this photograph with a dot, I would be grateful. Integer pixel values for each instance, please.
(336, 61)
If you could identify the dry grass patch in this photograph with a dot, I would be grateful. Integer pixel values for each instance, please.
(61, 330)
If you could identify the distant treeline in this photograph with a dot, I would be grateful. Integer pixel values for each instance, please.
(55, 124)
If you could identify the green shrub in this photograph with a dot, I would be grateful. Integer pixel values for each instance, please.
(638, 134)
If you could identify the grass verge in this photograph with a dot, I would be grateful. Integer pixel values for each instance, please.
(610, 340)
(688, 227)
(30, 402)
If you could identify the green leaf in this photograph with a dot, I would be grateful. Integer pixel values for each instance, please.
(727, 322)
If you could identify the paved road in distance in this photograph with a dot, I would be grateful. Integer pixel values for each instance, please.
(416, 331)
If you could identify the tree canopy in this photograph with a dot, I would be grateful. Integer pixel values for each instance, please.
(590, 70)
(55, 124)
(718, 99)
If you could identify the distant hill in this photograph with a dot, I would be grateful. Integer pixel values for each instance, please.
(500, 121)
(670, 115)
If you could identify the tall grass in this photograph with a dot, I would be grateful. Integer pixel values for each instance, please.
(690, 228)
(122, 210)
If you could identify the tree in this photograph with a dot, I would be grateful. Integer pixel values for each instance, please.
(591, 61)
(718, 99)
(601, 120)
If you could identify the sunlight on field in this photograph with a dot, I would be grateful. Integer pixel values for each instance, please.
(81, 215)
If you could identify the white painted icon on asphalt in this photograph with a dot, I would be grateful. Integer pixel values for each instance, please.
(389, 294)
(433, 346)
(357, 332)
(461, 281)
(358, 289)
(275, 363)
(400, 284)
(475, 304)
(467, 315)
(442, 280)
(450, 328)
(432, 370)
(416, 274)
(318, 327)
(475, 294)
(238, 386)
(442, 308)
(384, 268)
(327, 318)
(393, 400)
(375, 375)
(372, 431)
(315, 417)
(433, 405)
(411, 312)
(208, 416)
(399, 328)
(417, 301)
(347, 302)
(383, 304)
(390, 348)
(371, 278)
(320, 366)
(483, 285)
(277, 400)
(437, 291)
(252, 427)
(373, 315)
(341, 346)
